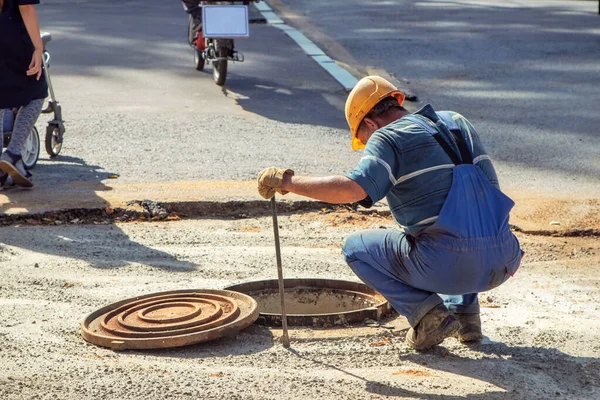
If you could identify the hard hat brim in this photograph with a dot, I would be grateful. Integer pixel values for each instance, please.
(357, 144)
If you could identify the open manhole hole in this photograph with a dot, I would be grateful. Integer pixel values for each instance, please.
(169, 319)
(315, 302)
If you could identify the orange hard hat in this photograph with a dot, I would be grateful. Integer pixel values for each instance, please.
(369, 91)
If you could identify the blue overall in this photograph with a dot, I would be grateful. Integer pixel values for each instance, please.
(468, 249)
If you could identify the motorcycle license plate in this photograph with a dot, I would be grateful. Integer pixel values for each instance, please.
(225, 21)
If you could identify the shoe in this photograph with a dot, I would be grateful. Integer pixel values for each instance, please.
(470, 327)
(432, 329)
(13, 165)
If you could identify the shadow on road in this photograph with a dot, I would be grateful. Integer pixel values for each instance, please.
(277, 79)
(251, 340)
(59, 181)
(498, 364)
(278, 101)
(525, 73)
(103, 245)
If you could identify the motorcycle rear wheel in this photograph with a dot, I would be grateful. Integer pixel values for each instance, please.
(198, 60)
(220, 66)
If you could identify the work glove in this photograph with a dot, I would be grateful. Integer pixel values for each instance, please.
(270, 180)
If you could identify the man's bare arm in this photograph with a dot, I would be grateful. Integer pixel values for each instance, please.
(331, 189)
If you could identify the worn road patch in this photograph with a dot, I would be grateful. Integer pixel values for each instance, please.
(540, 343)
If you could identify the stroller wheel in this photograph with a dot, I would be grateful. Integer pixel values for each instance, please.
(54, 140)
(31, 150)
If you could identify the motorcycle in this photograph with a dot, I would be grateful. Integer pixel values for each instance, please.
(212, 28)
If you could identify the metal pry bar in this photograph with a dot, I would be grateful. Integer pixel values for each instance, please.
(285, 338)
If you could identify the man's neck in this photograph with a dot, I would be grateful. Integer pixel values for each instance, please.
(394, 115)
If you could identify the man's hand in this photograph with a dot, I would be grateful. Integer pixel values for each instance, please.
(270, 180)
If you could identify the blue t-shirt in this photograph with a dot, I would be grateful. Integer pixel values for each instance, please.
(405, 164)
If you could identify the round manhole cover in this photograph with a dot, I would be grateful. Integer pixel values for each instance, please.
(169, 319)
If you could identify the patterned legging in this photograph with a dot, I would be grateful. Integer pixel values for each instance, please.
(26, 119)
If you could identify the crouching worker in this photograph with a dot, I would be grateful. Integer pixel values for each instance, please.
(442, 190)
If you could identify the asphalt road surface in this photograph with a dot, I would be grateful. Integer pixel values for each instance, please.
(136, 107)
(525, 73)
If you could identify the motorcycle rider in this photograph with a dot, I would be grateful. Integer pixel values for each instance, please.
(193, 8)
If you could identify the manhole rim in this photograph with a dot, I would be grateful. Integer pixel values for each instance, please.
(375, 311)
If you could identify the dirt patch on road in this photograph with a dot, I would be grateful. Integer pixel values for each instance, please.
(569, 250)
(538, 212)
(542, 326)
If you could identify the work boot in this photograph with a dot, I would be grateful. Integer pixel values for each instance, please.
(470, 327)
(432, 329)
(13, 165)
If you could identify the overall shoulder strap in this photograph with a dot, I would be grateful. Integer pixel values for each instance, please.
(465, 154)
(431, 127)
(446, 121)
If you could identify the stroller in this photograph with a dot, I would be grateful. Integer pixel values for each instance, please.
(54, 130)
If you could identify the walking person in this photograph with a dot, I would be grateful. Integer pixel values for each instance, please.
(454, 239)
(22, 82)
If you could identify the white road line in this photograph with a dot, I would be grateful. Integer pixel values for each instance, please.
(271, 17)
(345, 78)
(262, 6)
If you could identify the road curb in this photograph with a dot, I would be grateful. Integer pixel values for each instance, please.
(147, 210)
(534, 211)
(152, 211)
